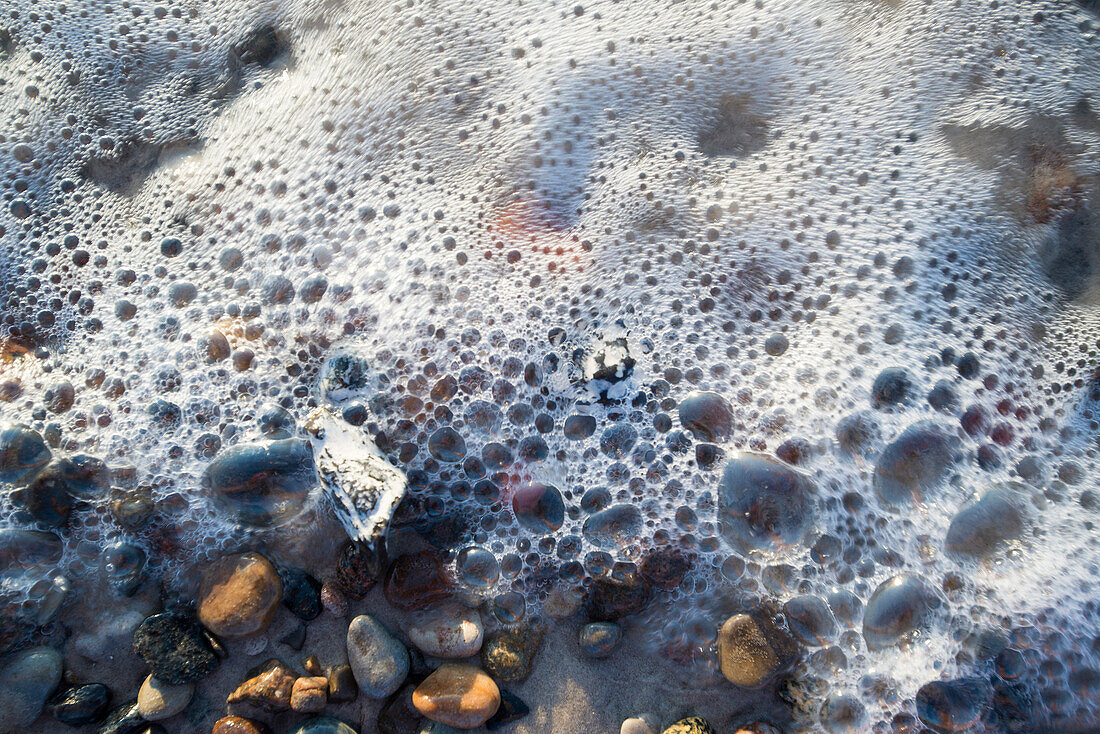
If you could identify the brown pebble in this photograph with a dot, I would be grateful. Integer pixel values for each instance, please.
(239, 595)
(457, 695)
(752, 650)
(333, 600)
(239, 725)
(267, 687)
(341, 684)
(415, 581)
(313, 665)
(357, 569)
(309, 695)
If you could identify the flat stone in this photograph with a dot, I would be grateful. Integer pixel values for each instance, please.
(239, 725)
(378, 659)
(752, 650)
(267, 687)
(508, 654)
(159, 700)
(26, 682)
(451, 630)
(174, 648)
(690, 725)
(457, 695)
(239, 595)
(82, 705)
(309, 694)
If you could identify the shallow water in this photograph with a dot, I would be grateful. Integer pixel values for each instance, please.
(591, 268)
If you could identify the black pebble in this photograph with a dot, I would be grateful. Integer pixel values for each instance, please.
(301, 592)
(175, 648)
(511, 709)
(82, 705)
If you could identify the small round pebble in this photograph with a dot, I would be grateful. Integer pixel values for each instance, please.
(239, 595)
(378, 659)
(599, 639)
(450, 630)
(159, 700)
(239, 725)
(752, 650)
(457, 695)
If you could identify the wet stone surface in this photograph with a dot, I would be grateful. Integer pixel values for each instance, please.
(174, 648)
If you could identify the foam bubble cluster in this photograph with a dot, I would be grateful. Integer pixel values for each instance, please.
(799, 294)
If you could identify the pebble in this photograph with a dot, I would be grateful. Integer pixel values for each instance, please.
(174, 648)
(810, 619)
(899, 605)
(378, 659)
(333, 600)
(124, 567)
(415, 581)
(457, 695)
(610, 600)
(22, 450)
(764, 504)
(398, 715)
(158, 700)
(599, 639)
(25, 550)
(267, 687)
(664, 567)
(358, 569)
(614, 527)
(914, 464)
(341, 684)
(450, 630)
(239, 725)
(563, 601)
(82, 705)
(123, 720)
(508, 654)
(261, 485)
(690, 725)
(539, 507)
(309, 694)
(752, 650)
(301, 593)
(891, 387)
(239, 595)
(641, 724)
(512, 708)
(26, 681)
(296, 638)
(707, 415)
(322, 725)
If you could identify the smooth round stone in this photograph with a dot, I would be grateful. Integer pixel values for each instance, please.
(447, 445)
(82, 705)
(46, 497)
(239, 595)
(764, 504)
(951, 706)
(239, 725)
(690, 725)
(599, 639)
(124, 567)
(28, 550)
(539, 507)
(643, 724)
(916, 463)
(477, 567)
(450, 630)
(810, 619)
(707, 415)
(262, 485)
(21, 451)
(900, 606)
(457, 695)
(979, 530)
(174, 648)
(752, 650)
(159, 700)
(614, 527)
(378, 660)
(27, 680)
(579, 427)
(322, 725)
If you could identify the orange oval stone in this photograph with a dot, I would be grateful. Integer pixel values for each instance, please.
(239, 595)
(457, 695)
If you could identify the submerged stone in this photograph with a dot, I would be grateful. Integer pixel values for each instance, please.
(917, 462)
(764, 504)
(262, 485)
(951, 706)
(900, 606)
(613, 527)
(979, 530)
(707, 415)
(539, 507)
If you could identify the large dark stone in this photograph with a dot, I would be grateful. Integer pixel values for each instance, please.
(175, 648)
